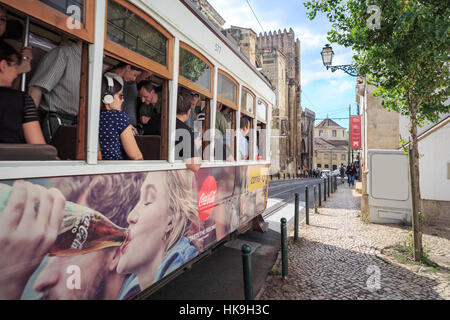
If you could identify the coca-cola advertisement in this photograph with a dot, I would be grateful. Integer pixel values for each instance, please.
(111, 236)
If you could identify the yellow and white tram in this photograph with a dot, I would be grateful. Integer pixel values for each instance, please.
(129, 225)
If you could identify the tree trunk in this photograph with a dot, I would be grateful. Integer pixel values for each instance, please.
(415, 185)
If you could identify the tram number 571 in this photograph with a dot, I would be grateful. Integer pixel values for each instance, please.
(218, 48)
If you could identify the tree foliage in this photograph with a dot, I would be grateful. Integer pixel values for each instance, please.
(406, 58)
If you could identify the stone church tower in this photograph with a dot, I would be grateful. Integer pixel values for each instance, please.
(277, 56)
(291, 110)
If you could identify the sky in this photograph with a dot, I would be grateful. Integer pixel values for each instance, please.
(324, 92)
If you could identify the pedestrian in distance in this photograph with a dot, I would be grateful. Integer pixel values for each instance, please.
(342, 172)
(351, 171)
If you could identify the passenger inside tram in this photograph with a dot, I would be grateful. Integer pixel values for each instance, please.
(55, 86)
(116, 137)
(11, 32)
(150, 108)
(187, 146)
(19, 120)
(130, 75)
(243, 142)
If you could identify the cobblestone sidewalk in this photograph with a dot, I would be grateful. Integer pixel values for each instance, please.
(339, 257)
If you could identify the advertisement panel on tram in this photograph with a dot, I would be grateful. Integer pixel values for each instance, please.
(111, 236)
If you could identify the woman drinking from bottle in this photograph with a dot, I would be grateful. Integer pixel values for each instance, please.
(159, 226)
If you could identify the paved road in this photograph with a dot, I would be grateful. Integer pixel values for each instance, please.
(219, 276)
(285, 189)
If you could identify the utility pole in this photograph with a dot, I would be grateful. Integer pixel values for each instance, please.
(349, 132)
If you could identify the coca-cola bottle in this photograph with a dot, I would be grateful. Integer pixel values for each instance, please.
(82, 230)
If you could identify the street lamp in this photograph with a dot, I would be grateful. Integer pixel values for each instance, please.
(327, 58)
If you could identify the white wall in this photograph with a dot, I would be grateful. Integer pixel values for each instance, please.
(435, 156)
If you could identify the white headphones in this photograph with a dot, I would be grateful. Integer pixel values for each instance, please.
(108, 97)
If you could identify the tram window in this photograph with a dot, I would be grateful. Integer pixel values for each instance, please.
(245, 141)
(247, 101)
(145, 104)
(261, 110)
(199, 117)
(261, 141)
(129, 30)
(226, 88)
(194, 69)
(225, 123)
(53, 81)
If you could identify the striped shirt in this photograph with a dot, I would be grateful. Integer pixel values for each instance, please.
(16, 109)
(59, 74)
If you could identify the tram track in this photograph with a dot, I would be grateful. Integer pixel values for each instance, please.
(285, 201)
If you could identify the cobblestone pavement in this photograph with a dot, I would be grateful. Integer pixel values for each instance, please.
(340, 257)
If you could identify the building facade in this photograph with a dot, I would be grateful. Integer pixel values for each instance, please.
(330, 145)
(383, 129)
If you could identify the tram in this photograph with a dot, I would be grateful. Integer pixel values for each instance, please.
(74, 226)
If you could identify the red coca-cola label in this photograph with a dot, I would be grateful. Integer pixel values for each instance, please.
(207, 198)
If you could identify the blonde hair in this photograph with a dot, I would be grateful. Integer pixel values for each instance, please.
(182, 204)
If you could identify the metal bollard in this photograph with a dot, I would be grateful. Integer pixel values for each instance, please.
(328, 187)
(284, 250)
(307, 204)
(320, 194)
(315, 199)
(331, 184)
(296, 218)
(248, 277)
(325, 189)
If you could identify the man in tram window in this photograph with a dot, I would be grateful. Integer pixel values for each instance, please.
(187, 146)
(150, 107)
(193, 116)
(55, 86)
(243, 142)
(130, 75)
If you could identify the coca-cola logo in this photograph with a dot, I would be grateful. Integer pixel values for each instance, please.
(207, 198)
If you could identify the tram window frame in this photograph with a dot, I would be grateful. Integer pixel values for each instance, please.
(261, 137)
(163, 154)
(262, 101)
(243, 110)
(120, 52)
(252, 116)
(224, 101)
(233, 136)
(188, 83)
(205, 123)
(263, 123)
(52, 17)
(54, 35)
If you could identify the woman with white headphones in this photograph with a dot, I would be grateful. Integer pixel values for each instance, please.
(116, 137)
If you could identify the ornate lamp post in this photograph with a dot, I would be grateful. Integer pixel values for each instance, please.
(327, 58)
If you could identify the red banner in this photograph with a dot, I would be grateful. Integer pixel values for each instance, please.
(355, 132)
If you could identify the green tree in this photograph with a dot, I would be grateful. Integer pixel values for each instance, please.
(405, 56)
